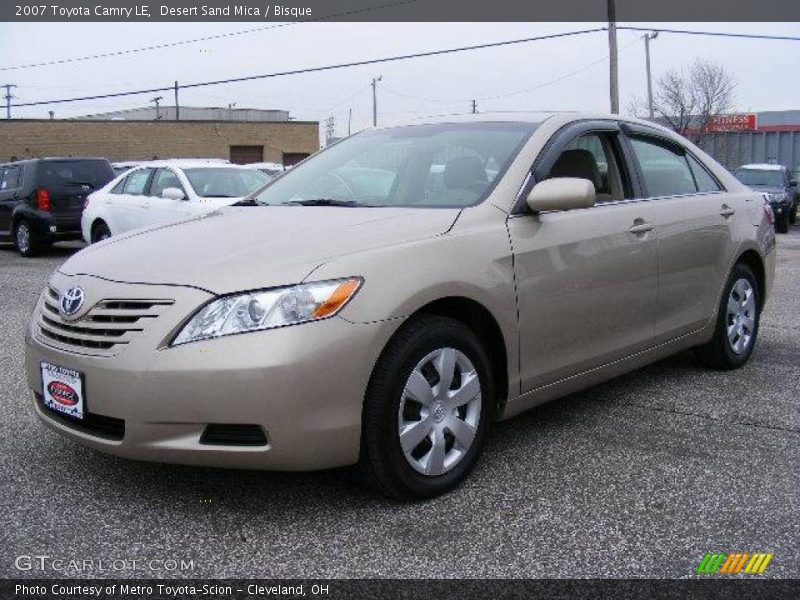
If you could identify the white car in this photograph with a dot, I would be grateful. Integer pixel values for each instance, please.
(158, 192)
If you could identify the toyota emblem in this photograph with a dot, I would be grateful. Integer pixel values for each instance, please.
(71, 301)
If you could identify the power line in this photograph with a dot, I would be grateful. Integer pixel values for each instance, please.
(751, 36)
(322, 68)
(201, 39)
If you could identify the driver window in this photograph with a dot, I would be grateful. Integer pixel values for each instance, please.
(163, 179)
(592, 156)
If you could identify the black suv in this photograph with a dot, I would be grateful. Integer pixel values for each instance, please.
(781, 190)
(41, 200)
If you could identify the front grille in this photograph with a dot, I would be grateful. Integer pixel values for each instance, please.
(233, 435)
(109, 428)
(105, 329)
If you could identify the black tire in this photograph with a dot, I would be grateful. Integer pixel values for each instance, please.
(26, 239)
(100, 232)
(793, 213)
(718, 353)
(782, 223)
(383, 462)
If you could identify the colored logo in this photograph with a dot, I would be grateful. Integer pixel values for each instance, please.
(71, 301)
(62, 393)
(734, 563)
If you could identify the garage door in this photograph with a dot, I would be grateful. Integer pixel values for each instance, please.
(243, 155)
(292, 158)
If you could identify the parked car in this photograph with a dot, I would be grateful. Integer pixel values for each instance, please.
(159, 192)
(272, 170)
(775, 180)
(41, 199)
(327, 321)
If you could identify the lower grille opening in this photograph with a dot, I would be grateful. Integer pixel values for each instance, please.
(109, 428)
(233, 435)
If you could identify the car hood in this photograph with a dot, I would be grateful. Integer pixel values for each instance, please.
(768, 189)
(245, 248)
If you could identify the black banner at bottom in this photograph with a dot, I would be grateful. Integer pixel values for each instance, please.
(411, 589)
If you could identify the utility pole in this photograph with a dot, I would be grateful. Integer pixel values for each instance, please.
(612, 57)
(330, 129)
(8, 97)
(177, 105)
(474, 107)
(647, 38)
(349, 120)
(157, 99)
(375, 100)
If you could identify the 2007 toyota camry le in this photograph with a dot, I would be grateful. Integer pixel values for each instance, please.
(386, 301)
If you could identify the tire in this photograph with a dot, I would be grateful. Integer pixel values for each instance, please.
(26, 239)
(100, 232)
(726, 351)
(389, 404)
(793, 213)
(782, 223)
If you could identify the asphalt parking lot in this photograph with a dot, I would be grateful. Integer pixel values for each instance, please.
(639, 477)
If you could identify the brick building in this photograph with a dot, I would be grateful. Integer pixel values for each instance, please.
(239, 141)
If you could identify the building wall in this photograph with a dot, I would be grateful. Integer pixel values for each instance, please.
(736, 148)
(144, 140)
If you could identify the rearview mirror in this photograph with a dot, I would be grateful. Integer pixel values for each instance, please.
(793, 183)
(173, 193)
(561, 193)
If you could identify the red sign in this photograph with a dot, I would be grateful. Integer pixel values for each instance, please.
(738, 122)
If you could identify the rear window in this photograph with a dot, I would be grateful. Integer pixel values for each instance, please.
(95, 173)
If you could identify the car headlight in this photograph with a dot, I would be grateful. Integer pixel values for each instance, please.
(267, 309)
(777, 197)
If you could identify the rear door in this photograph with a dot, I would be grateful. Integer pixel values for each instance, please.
(693, 218)
(130, 207)
(68, 183)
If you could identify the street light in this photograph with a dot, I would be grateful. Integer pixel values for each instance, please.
(647, 38)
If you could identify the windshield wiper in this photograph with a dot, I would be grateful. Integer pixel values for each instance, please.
(246, 202)
(326, 202)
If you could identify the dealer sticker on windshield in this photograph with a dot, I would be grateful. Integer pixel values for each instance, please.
(62, 390)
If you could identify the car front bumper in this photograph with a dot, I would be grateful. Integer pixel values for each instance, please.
(303, 385)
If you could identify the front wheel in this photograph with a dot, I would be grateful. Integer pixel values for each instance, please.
(100, 232)
(737, 322)
(427, 410)
(793, 213)
(782, 223)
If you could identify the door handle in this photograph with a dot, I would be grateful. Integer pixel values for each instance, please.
(640, 228)
(727, 211)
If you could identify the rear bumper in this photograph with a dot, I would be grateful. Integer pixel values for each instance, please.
(54, 226)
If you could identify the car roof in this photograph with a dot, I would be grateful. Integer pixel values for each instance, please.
(192, 163)
(52, 159)
(763, 167)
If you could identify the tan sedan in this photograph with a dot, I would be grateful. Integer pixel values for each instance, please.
(387, 300)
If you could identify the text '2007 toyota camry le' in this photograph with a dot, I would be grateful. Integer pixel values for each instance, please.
(387, 300)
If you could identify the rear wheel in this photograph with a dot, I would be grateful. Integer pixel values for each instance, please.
(427, 410)
(26, 239)
(737, 322)
(100, 232)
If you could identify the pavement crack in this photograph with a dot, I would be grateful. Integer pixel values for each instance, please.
(710, 418)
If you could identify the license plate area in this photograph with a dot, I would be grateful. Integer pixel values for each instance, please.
(62, 390)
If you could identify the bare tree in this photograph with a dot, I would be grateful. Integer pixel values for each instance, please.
(689, 101)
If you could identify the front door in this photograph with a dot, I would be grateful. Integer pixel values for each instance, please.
(586, 278)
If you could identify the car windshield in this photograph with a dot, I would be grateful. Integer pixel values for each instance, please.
(428, 166)
(95, 173)
(763, 177)
(224, 182)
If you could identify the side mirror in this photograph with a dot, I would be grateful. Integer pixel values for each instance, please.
(173, 193)
(561, 193)
(793, 183)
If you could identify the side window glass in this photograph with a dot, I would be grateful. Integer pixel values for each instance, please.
(665, 171)
(117, 189)
(137, 181)
(705, 182)
(591, 156)
(10, 178)
(2, 179)
(163, 179)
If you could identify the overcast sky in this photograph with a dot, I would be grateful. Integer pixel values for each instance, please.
(501, 79)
